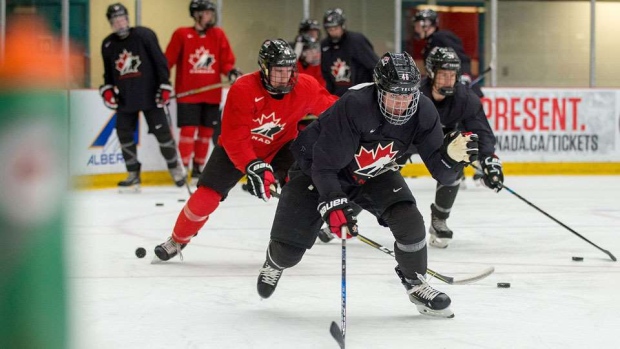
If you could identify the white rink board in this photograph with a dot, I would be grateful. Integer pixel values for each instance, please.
(554, 125)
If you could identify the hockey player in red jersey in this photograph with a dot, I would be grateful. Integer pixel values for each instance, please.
(348, 155)
(201, 54)
(136, 79)
(260, 120)
(309, 61)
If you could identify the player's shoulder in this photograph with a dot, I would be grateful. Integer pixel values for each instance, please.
(247, 82)
(305, 82)
(142, 31)
(467, 95)
(427, 113)
(108, 40)
(183, 31)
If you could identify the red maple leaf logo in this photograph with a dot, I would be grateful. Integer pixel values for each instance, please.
(370, 161)
(268, 125)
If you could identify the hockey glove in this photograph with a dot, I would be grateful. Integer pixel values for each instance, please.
(233, 74)
(459, 149)
(109, 96)
(336, 212)
(493, 176)
(260, 178)
(163, 95)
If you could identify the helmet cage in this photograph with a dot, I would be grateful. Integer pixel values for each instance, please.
(277, 53)
(396, 74)
(334, 18)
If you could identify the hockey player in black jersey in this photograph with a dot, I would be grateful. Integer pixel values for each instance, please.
(136, 78)
(347, 57)
(426, 27)
(459, 108)
(348, 155)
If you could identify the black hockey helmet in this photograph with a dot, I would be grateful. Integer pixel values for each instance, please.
(442, 58)
(425, 15)
(277, 53)
(116, 10)
(396, 74)
(333, 18)
(309, 24)
(310, 45)
(200, 5)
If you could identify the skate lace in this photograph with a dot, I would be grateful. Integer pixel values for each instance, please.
(177, 173)
(172, 246)
(270, 275)
(440, 224)
(424, 290)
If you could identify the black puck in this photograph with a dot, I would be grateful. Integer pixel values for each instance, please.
(503, 284)
(159, 204)
(578, 259)
(140, 252)
(181, 200)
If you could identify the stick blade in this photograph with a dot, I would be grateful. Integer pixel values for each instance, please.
(466, 280)
(334, 329)
(613, 258)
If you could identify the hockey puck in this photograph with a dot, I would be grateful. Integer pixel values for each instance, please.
(140, 252)
(159, 204)
(503, 284)
(578, 259)
(181, 200)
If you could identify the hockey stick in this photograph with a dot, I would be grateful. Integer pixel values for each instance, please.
(339, 332)
(179, 162)
(613, 258)
(447, 279)
(201, 89)
(481, 76)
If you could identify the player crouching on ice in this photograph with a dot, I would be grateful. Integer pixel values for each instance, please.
(348, 155)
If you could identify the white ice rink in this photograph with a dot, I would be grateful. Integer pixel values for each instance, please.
(209, 300)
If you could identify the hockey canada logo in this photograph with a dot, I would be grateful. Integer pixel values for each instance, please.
(370, 162)
(127, 64)
(202, 61)
(341, 71)
(268, 127)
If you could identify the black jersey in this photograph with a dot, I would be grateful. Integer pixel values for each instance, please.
(464, 112)
(348, 62)
(446, 38)
(136, 66)
(352, 142)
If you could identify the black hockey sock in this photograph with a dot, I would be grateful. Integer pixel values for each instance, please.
(445, 197)
(413, 259)
(282, 255)
(130, 155)
(169, 152)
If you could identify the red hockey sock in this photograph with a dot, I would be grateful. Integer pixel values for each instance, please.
(195, 214)
(201, 146)
(186, 143)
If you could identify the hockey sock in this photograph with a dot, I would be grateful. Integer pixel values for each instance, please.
(407, 226)
(445, 196)
(168, 150)
(186, 143)
(201, 145)
(282, 255)
(195, 214)
(130, 155)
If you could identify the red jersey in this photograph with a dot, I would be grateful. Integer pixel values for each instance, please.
(312, 70)
(256, 125)
(200, 59)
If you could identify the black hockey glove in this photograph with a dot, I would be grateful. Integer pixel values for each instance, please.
(493, 176)
(459, 149)
(233, 74)
(163, 95)
(260, 179)
(337, 212)
(110, 97)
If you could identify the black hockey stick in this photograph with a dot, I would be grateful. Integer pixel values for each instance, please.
(179, 163)
(447, 279)
(613, 258)
(480, 76)
(339, 332)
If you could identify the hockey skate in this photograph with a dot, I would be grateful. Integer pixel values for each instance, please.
(325, 235)
(441, 235)
(428, 300)
(131, 184)
(268, 280)
(195, 174)
(169, 249)
(178, 175)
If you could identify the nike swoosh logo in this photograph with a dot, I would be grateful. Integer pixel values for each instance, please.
(157, 127)
(397, 190)
(256, 99)
(107, 44)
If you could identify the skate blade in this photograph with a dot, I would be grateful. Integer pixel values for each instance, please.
(443, 313)
(134, 189)
(156, 260)
(439, 242)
